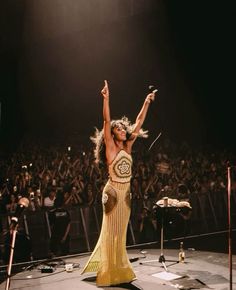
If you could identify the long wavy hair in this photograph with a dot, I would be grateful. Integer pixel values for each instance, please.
(98, 138)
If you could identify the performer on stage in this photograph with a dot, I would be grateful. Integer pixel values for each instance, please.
(113, 147)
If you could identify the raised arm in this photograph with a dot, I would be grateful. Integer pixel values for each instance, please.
(106, 116)
(141, 116)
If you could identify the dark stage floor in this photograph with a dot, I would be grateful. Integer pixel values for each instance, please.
(201, 270)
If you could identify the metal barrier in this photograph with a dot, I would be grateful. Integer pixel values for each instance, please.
(209, 214)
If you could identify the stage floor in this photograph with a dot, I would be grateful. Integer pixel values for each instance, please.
(201, 270)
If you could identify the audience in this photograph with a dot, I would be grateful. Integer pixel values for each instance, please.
(40, 172)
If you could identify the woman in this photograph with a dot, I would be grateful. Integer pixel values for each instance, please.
(113, 146)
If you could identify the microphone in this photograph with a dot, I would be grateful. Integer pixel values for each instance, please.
(22, 204)
(152, 89)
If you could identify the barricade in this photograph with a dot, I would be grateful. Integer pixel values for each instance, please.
(209, 214)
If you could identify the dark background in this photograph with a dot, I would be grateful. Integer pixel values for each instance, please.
(54, 56)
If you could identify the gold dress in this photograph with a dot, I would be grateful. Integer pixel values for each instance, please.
(109, 258)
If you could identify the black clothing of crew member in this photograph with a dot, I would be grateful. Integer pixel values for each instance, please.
(60, 226)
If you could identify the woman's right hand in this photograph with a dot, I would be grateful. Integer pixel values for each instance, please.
(150, 97)
(105, 90)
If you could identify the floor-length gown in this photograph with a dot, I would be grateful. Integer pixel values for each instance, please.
(109, 258)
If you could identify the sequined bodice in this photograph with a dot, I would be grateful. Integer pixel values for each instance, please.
(120, 169)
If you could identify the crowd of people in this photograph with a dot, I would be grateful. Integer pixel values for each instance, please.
(41, 172)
